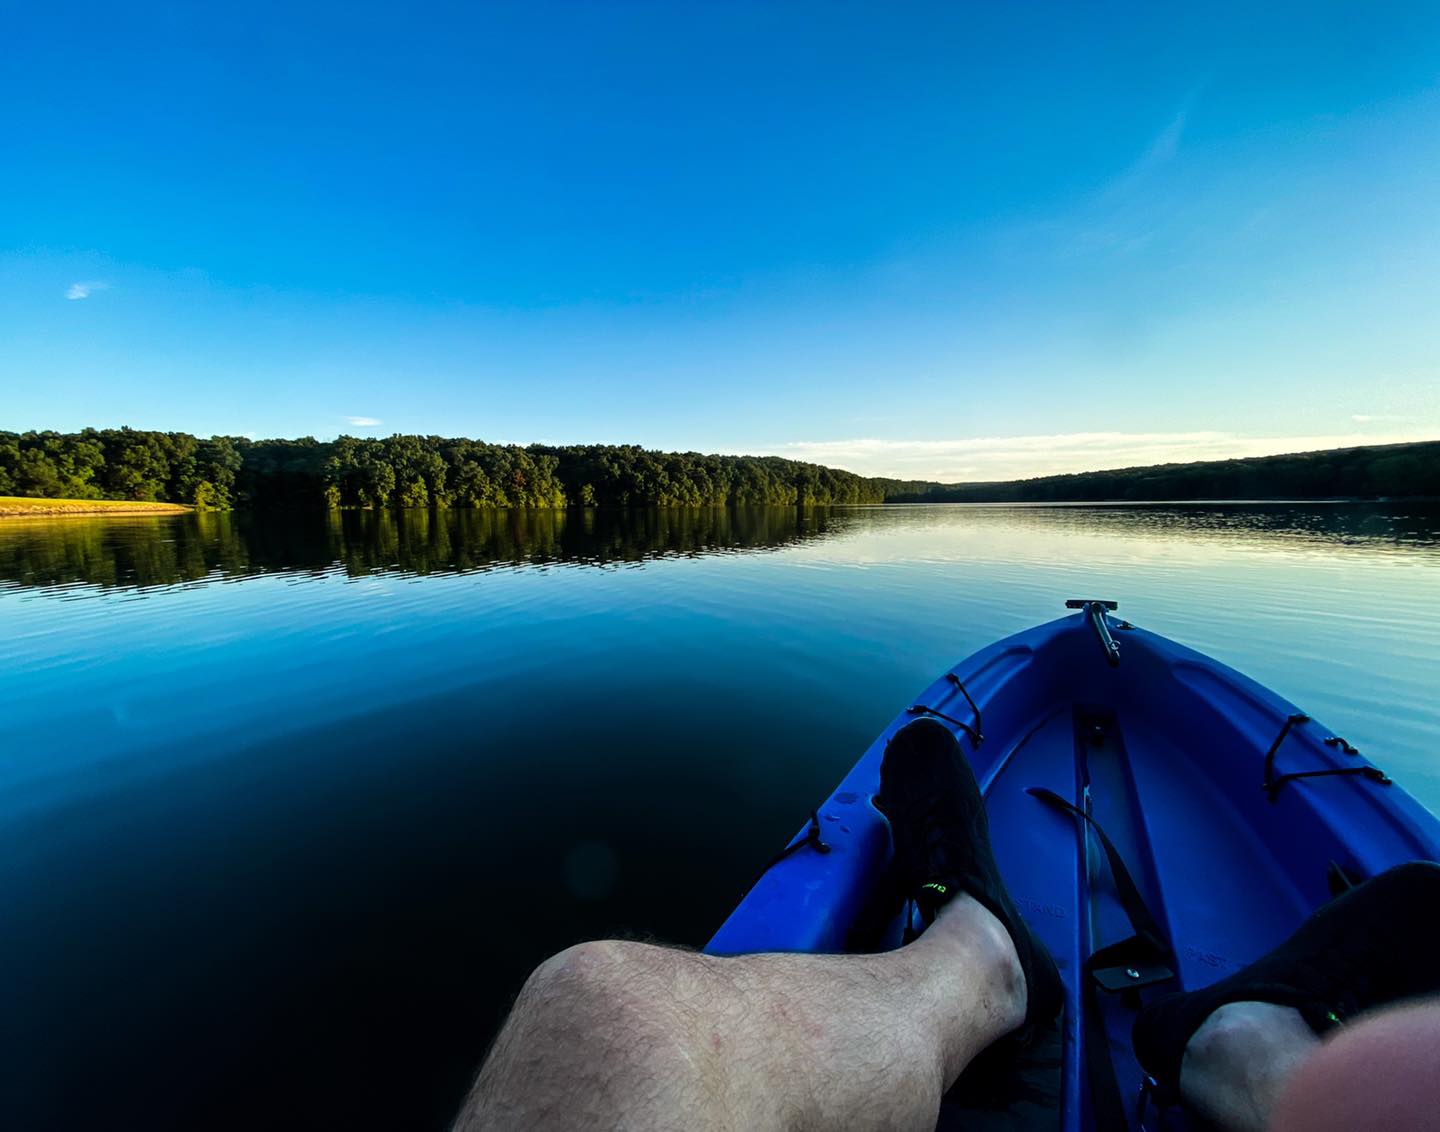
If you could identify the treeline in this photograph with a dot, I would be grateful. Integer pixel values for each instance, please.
(1392, 471)
(121, 463)
(431, 471)
(406, 471)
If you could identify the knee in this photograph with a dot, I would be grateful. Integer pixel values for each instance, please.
(609, 1010)
(1230, 1035)
(568, 1043)
(609, 997)
(584, 981)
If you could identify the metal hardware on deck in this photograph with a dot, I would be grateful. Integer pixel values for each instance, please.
(1343, 744)
(975, 736)
(1095, 611)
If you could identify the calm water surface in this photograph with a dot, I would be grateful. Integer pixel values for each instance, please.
(289, 805)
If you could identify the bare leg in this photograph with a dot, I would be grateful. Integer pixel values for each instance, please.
(1254, 1066)
(625, 1035)
(1238, 1062)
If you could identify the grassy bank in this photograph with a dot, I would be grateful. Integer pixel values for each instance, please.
(16, 506)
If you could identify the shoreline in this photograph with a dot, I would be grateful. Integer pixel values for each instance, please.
(22, 507)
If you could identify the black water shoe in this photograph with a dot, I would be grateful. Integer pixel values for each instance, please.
(942, 846)
(1369, 947)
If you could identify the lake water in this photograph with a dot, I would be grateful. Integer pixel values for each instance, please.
(290, 804)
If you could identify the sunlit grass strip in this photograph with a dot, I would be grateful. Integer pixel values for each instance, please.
(19, 505)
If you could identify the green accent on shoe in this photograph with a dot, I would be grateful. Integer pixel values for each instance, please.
(937, 886)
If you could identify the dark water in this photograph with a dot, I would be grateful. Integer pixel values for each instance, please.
(290, 805)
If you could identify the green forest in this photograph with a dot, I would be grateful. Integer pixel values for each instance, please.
(406, 471)
(224, 472)
(1395, 471)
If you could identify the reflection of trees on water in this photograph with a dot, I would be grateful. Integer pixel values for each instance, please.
(141, 552)
(1373, 525)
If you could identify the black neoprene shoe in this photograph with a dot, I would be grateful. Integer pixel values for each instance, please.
(941, 835)
(1369, 947)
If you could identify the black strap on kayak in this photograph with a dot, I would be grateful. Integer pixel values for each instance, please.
(1373, 773)
(921, 709)
(1147, 949)
(812, 838)
(1290, 721)
(1138, 961)
(1273, 782)
(969, 699)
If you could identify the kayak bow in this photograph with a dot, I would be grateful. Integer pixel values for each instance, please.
(1135, 788)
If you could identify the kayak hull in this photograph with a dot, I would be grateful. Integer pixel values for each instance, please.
(1167, 753)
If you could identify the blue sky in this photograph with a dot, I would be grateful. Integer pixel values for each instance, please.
(953, 241)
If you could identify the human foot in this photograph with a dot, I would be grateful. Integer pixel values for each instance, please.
(1370, 946)
(941, 835)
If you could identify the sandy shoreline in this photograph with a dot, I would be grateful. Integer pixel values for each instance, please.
(20, 507)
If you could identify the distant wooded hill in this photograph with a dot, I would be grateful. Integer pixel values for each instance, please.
(430, 471)
(1390, 470)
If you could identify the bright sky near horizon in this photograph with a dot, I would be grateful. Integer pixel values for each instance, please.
(934, 240)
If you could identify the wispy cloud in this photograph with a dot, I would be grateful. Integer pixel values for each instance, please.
(364, 422)
(86, 288)
(1161, 151)
(1166, 144)
(1120, 216)
(1020, 457)
(1368, 418)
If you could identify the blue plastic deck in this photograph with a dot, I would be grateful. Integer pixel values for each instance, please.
(1176, 783)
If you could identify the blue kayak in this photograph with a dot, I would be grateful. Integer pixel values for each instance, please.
(1160, 819)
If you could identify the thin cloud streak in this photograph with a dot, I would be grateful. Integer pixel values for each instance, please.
(1164, 147)
(85, 288)
(1022, 457)
(364, 422)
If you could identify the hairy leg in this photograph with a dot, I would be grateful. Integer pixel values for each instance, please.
(627, 1035)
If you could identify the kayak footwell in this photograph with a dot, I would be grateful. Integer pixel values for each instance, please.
(1170, 754)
